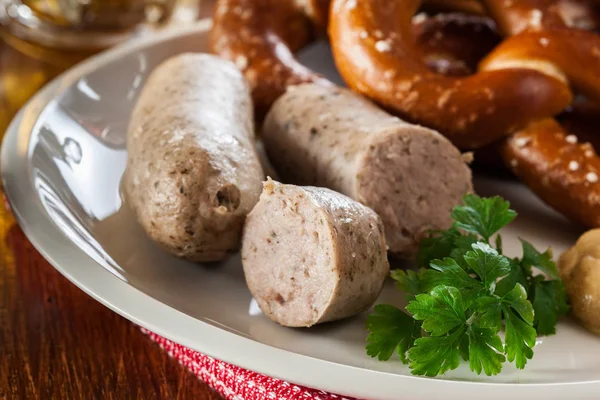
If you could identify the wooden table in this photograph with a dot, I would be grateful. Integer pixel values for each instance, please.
(56, 342)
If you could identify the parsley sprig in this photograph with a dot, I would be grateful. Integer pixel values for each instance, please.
(466, 293)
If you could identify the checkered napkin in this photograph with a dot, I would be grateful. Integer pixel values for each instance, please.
(236, 383)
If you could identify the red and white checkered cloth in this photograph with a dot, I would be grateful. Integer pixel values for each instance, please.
(236, 383)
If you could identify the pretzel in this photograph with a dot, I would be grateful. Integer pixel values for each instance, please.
(582, 119)
(376, 56)
(472, 7)
(544, 44)
(441, 40)
(261, 36)
(514, 17)
(559, 169)
(558, 161)
(555, 160)
(317, 11)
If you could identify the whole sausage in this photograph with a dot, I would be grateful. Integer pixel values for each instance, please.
(312, 255)
(410, 175)
(192, 172)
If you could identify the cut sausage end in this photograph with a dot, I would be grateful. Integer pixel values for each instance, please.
(412, 177)
(311, 255)
(289, 257)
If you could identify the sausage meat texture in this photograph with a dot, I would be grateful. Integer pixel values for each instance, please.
(312, 255)
(410, 175)
(193, 173)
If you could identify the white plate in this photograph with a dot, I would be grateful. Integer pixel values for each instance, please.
(62, 161)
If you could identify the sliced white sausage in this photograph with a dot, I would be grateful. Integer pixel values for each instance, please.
(312, 255)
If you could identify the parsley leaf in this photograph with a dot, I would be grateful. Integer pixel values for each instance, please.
(487, 263)
(447, 272)
(390, 330)
(463, 246)
(437, 245)
(517, 300)
(409, 281)
(516, 275)
(467, 292)
(542, 261)
(435, 355)
(485, 347)
(483, 216)
(441, 311)
(463, 347)
(441, 244)
(549, 303)
(465, 242)
(499, 243)
(519, 338)
(490, 312)
(520, 335)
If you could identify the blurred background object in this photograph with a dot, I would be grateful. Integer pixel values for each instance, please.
(89, 24)
(42, 38)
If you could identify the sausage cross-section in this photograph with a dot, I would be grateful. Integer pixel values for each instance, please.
(312, 255)
(410, 175)
(193, 173)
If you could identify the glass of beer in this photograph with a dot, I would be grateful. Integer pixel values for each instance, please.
(88, 24)
(42, 38)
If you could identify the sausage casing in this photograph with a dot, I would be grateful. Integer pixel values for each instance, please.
(193, 173)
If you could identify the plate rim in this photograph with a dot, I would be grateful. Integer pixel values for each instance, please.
(147, 312)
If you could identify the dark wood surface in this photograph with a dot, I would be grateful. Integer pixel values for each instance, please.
(56, 342)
